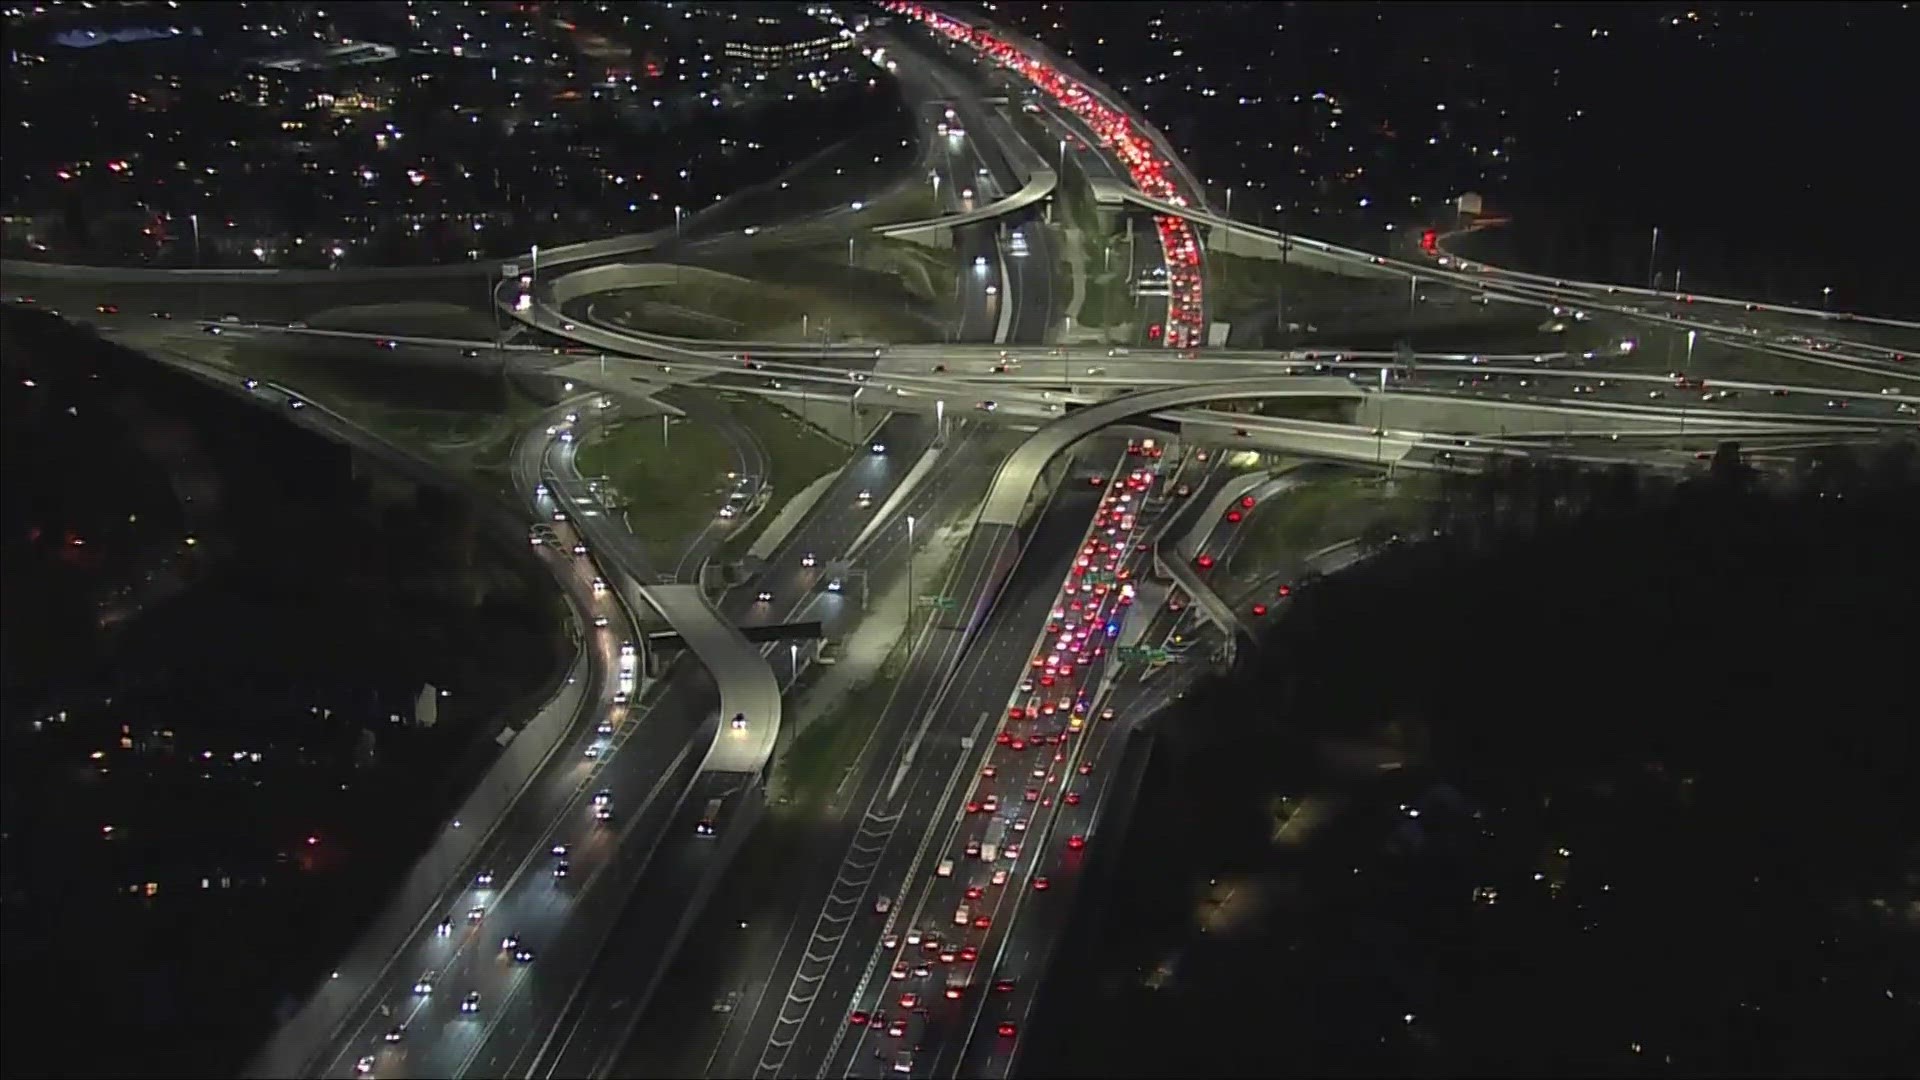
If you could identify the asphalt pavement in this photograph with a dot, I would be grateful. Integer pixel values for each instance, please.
(613, 998)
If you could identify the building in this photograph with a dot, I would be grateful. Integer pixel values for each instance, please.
(760, 39)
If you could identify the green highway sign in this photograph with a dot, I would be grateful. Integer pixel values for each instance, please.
(939, 603)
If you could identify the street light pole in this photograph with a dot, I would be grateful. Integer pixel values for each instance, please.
(793, 652)
(1652, 251)
(200, 292)
(1380, 421)
(1688, 370)
(909, 622)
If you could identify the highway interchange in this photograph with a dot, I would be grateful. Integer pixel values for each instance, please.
(565, 966)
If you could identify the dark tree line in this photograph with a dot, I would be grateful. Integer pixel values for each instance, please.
(1647, 804)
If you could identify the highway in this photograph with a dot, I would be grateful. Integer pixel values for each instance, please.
(934, 708)
(565, 997)
(1046, 749)
(648, 764)
(597, 1028)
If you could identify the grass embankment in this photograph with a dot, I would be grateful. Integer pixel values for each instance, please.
(464, 418)
(670, 489)
(819, 757)
(797, 454)
(848, 304)
(1287, 527)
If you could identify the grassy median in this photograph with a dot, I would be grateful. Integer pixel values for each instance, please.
(1289, 526)
(669, 488)
(797, 454)
(818, 758)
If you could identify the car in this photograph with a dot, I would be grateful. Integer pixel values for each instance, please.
(1076, 842)
(1008, 1029)
(469, 354)
(251, 384)
(295, 403)
(1041, 884)
(509, 943)
(1106, 713)
(445, 929)
(603, 813)
(1086, 768)
(865, 498)
(1004, 986)
(968, 954)
(424, 984)
(999, 877)
(471, 1003)
(214, 330)
(560, 868)
(600, 622)
(602, 797)
(523, 956)
(897, 1028)
(364, 1066)
(1071, 798)
(858, 1018)
(987, 406)
(890, 940)
(621, 697)
(899, 969)
(475, 914)
(395, 1034)
(883, 905)
(484, 879)
(975, 892)
(807, 560)
(909, 999)
(766, 597)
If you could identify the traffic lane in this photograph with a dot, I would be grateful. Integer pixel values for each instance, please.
(933, 660)
(1026, 936)
(943, 763)
(926, 675)
(826, 530)
(926, 496)
(522, 1020)
(988, 675)
(619, 967)
(524, 901)
(776, 909)
(749, 459)
(538, 810)
(1032, 284)
(942, 897)
(1043, 797)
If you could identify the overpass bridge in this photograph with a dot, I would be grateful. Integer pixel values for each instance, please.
(938, 231)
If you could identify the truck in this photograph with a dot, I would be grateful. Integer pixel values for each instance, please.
(996, 836)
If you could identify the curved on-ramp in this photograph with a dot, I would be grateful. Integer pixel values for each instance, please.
(743, 677)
